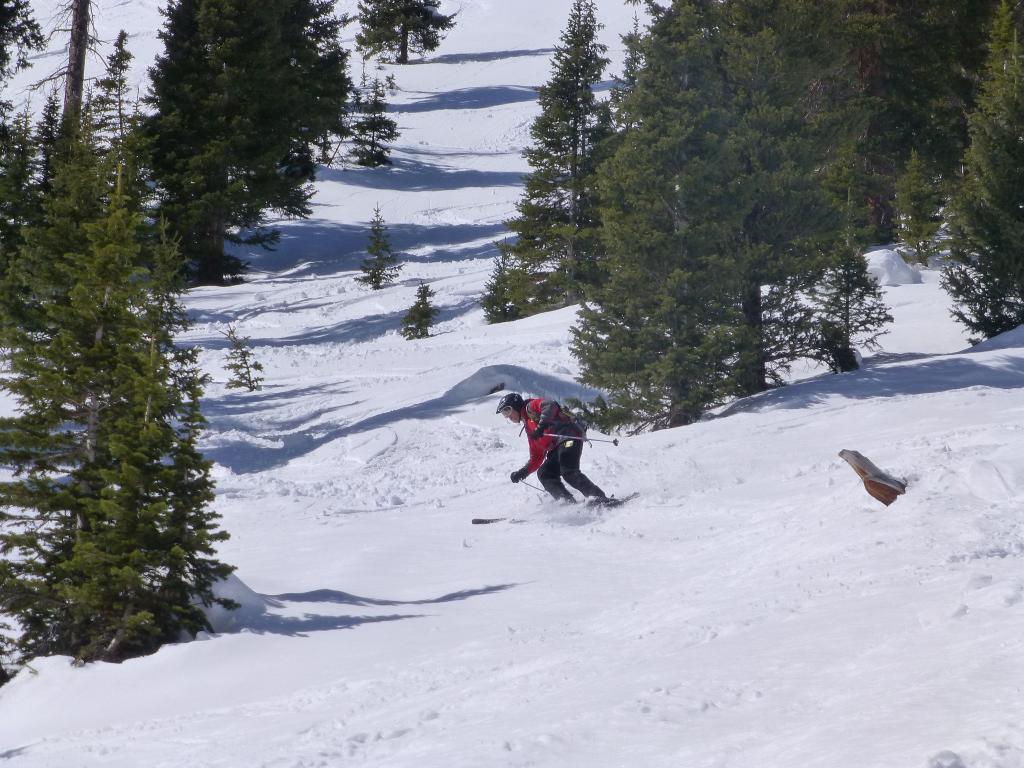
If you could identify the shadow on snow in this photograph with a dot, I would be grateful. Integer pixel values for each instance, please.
(463, 58)
(319, 248)
(297, 626)
(310, 622)
(481, 97)
(413, 175)
(885, 378)
(353, 330)
(245, 457)
(345, 598)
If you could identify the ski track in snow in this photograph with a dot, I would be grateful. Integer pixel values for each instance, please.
(753, 607)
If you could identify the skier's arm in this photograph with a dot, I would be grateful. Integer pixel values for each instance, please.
(537, 453)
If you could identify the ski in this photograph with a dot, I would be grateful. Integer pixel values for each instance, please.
(612, 501)
(608, 503)
(489, 520)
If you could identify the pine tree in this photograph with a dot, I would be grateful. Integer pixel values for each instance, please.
(905, 75)
(417, 321)
(112, 106)
(713, 208)
(245, 368)
(382, 266)
(399, 27)
(47, 139)
(631, 67)
(107, 126)
(503, 295)
(115, 121)
(917, 204)
(106, 520)
(21, 206)
(849, 307)
(372, 129)
(659, 334)
(20, 203)
(75, 198)
(19, 34)
(851, 311)
(242, 96)
(777, 207)
(7, 649)
(557, 248)
(986, 279)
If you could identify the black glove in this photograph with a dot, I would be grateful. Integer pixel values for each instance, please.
(519, 474)
(537, 433)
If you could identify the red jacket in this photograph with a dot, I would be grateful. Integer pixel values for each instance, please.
(539, 412)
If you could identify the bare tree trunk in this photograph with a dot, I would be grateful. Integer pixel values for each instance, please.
(754, 372)
(403, 48)
(74, 83)
(113, 650)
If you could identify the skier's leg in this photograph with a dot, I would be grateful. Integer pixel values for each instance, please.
(569, 453)
(548, 474)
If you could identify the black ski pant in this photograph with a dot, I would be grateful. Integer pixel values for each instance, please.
(563, 461)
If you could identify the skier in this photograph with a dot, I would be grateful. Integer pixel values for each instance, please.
(556, 442)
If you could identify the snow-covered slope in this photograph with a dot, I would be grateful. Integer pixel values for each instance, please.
(753, 608)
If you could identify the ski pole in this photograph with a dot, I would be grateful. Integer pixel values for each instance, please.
(614, 441)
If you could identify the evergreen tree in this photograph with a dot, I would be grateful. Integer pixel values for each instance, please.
(20, 203)
(850, 311)
(112, 106)
(56, 142)
(713, 208)
(47, 138)
(21, 207)
(19, 34)
(986, 279)
(557, 248)
(659, 334)
(417, 321)
(904, 75)
(76, 197)
(381, 267)
(917, 204)
(7, 650)
(372, 129)
(106, 520)
(848, 302)
(245, 368)
(772, 147)
(115, 122)
(242, 95)
(503, 291)
(631, 67)
(399, 27)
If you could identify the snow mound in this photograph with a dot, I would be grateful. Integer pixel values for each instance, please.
(251, 606)
(889, 268)
(1008, 340)
(513, 378)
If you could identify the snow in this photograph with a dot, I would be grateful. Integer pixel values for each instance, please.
(888, 268)
(753, 607)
